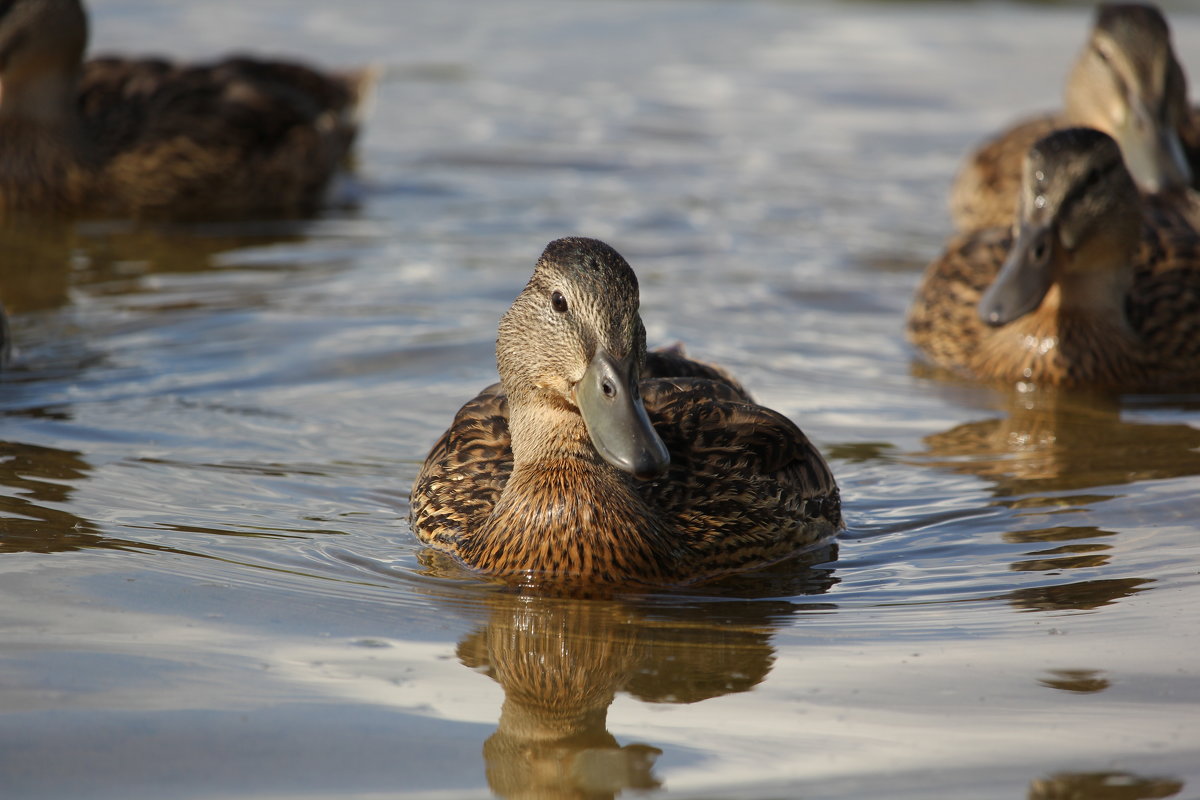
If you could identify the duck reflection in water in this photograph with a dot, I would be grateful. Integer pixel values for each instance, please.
(1052, 450)
(561, 662)
(1050, 441)
(33, 481)
(44, 260)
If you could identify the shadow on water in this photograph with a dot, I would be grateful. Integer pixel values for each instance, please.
(562, 661)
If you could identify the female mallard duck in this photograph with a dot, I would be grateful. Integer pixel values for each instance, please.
(579, 467)
(1095, 290)
(1127, 83)
(152, 138)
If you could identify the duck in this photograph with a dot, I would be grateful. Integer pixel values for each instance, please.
(1125, 82)
(1092, 288)
(148, 137)
(584, 468)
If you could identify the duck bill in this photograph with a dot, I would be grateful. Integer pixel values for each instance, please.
(1023, 280)
(1153, 153)
(616, 420)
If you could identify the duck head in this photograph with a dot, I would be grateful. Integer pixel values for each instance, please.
(1078, 223)
(1128, 83)
(573, 340)
(42, 43)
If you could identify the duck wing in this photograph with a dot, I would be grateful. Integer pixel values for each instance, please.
(1163, 304)
(673, 362)
(745, 484)
(462, 477)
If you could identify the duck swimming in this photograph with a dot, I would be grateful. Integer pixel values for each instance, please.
(1127, 83)
(149, 138)
(1094, 287)
(582, 467)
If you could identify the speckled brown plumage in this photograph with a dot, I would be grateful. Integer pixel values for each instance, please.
(1149, 338)
(152, 138)
(743, 487)
(1127, 64)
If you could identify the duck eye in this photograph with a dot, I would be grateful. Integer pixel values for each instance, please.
(559, 302)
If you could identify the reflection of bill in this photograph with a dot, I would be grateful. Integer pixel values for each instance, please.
(561, 664)
(562, 661)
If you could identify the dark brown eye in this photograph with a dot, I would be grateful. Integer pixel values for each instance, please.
(559, 302)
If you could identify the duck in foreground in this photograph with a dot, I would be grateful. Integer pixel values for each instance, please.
(150, 138)
(582, 467)
(1127, 83)
(1094, 287)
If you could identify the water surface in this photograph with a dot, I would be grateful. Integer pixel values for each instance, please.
(207, 438)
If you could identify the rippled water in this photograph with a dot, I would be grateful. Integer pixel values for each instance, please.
(206, 442)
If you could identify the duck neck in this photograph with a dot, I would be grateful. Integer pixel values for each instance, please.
(44, 163)
(45, 100)
(544, 429)
(1098, 295)
(1079, 335)
(565, 513)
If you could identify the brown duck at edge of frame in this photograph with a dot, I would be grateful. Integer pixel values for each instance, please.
(1097, 288)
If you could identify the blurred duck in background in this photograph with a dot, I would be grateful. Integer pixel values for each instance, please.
(1092, 288)
(1127, 83)
(152, 138)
